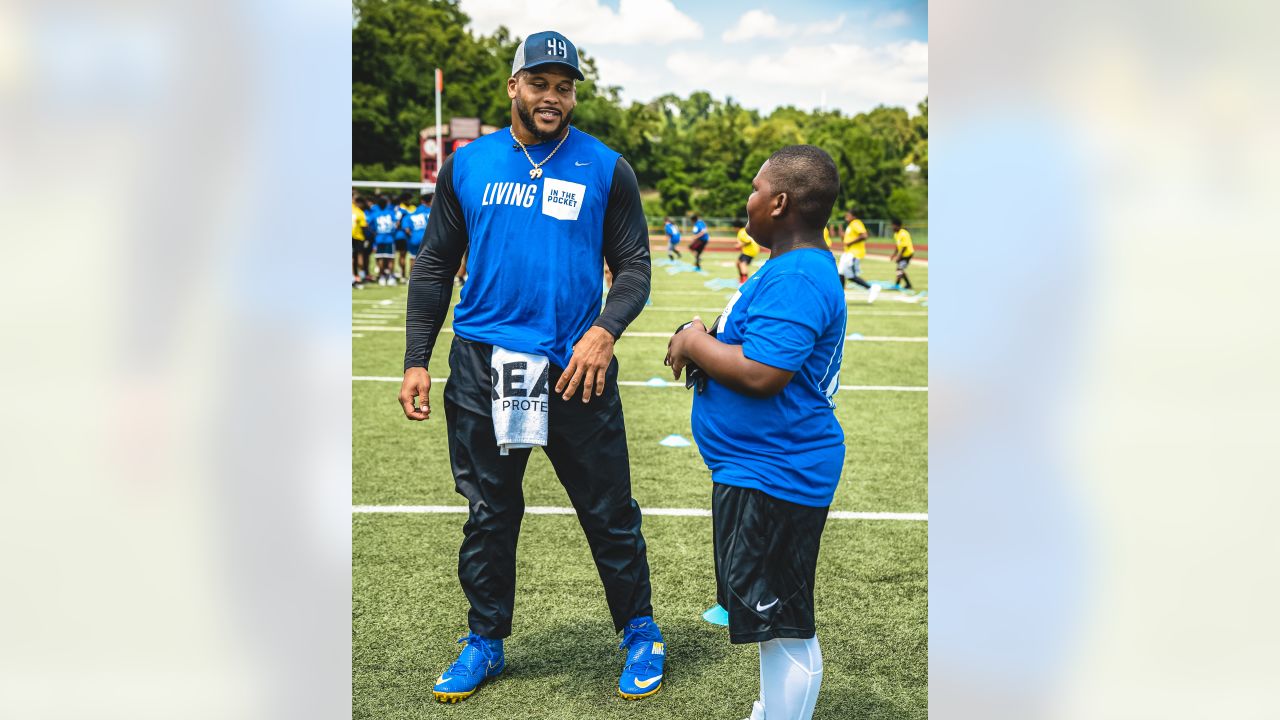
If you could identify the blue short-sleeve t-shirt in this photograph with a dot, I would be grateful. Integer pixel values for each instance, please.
(384, 224)
(416, 223)
(790, 315)
(699, 227)
(398, 213)
(672, 231)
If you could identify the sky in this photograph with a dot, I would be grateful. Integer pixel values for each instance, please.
(850, 56)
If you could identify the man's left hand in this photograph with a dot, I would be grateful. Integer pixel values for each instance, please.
(588, 365)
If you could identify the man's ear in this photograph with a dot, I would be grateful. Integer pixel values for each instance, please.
(511, 88)
(781, 203)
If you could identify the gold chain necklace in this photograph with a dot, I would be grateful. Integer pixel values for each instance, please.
(536, 172)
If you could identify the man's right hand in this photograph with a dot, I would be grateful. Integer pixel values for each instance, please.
(417, 384)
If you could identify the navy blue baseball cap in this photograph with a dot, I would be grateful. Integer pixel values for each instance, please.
(545, 48)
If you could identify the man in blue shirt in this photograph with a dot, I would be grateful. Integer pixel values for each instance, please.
(673, 239)
(538, 208)
(699, 241)
(775, 362)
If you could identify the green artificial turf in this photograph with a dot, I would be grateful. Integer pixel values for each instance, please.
(562, 657)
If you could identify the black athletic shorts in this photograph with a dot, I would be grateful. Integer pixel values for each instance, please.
(357, 248)
(766, 553)
(745, 259)
(698, 245)
(904, 262)
(402, 244)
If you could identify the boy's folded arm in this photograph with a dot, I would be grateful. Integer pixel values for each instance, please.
(727, 365)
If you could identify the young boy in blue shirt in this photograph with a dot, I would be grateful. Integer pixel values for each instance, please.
(775, 359)
(673, 239)
(699, 241)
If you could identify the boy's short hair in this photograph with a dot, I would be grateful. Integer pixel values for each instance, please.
(808, 175)
(895, 221)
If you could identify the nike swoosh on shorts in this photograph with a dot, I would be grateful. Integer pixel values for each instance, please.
(762, 608)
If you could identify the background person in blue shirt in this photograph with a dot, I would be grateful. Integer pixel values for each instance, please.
(400, 212)
(415, 223)
(537, 207)
(775, 360)
(699, 241)
(673, 238)
(382, 220)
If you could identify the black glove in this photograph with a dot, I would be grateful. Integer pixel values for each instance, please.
(695, 376)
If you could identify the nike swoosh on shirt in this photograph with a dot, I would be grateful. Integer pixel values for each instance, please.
(762, 608)
(647, 683)
(580, 164)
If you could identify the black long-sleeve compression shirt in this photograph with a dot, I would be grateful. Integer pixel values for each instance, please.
(626, 251)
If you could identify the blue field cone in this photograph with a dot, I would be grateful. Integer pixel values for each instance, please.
(717, 616)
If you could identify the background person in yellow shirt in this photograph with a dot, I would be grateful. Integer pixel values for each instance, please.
(855, 248)
(748, 250)
(903, 254)
(359, 246)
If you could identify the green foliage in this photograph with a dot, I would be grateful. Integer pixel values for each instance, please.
(675, 192)
(700, 152)
(395, 47)
(398, 173)
(651, 203)
(909, 203)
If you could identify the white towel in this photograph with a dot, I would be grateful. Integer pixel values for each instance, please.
(520, 398)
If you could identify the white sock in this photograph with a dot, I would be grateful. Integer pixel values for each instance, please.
(790, 676)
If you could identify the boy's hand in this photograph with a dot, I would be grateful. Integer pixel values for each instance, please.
(678, 346)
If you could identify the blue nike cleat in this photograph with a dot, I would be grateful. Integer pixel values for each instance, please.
(479, 660)
(646, 655)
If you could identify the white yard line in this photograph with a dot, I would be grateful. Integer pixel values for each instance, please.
(655, 308)
(669, 384)
(865, 338)
(703, 291)
(671, 512)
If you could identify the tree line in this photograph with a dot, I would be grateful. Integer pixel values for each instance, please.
(698, 152)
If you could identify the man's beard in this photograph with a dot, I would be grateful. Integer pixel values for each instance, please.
(526, 119)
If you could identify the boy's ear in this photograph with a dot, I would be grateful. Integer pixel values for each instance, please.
(781, 202)
(511, 88)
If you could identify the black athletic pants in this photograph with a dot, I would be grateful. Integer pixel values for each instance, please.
(587, 445)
